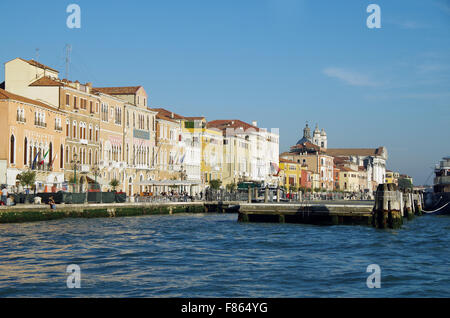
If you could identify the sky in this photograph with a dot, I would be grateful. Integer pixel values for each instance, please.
(278, 62)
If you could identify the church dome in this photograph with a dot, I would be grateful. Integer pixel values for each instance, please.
(323, 133)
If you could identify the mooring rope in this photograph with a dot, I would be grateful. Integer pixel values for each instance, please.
(437, 209)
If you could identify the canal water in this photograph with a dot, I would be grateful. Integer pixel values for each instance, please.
(212, 255)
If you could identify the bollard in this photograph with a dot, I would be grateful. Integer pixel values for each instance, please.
(249, 194)
(278, 195)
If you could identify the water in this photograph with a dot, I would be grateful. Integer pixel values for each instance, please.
(215, 256)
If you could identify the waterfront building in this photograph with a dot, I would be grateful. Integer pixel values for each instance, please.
(294, 175)
(392, 177)
(348, 180)
(236, 150)
(139, 137)
(311, 155)
(258, 156)
(212, 155)
(372, 159)
(169, 149)
(76, 100)
(32, 138)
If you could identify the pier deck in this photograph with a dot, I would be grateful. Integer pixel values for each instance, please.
(321, 213)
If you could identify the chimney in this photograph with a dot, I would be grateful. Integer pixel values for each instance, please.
(171, 115)
(255, 123)
(89, 86)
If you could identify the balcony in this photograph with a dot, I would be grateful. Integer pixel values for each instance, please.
(21, 119)
(40, 124)
(83, 141)
(58, 128)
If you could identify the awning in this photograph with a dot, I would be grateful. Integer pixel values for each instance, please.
(168, 183)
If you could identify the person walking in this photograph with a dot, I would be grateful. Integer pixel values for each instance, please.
(4, 195)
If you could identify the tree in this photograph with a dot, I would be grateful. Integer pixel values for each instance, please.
(231, 187)
(114, 183)
(215, 184)
(404, 183)
(27, 178)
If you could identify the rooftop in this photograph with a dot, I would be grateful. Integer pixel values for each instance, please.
(5, 95)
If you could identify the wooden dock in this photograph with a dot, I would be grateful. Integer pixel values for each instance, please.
(319, 213)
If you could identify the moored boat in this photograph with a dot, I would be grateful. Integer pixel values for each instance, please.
(438, 201)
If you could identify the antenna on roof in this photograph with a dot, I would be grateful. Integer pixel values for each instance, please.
(68, 51)
(37, 58)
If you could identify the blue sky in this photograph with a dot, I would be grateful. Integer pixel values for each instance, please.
(279, 62)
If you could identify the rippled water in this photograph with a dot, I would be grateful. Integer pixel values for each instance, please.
(215, 256)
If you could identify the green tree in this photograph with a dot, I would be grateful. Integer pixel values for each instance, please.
(231, 187)
(27, 178)
(404, 183)
(215, 184)
(114, 183)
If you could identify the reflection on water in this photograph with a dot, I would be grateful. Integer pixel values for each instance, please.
(214, 256)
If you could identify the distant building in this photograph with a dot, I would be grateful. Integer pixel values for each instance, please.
(372, 159)
(319, 138)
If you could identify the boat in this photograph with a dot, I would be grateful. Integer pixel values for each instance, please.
(438, 201)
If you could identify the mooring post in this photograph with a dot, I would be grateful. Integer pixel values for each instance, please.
(278, 194)
(266, 194)
(408, 206)
(387, 212)
(249, 194)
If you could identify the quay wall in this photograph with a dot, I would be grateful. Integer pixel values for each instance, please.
(33, 213)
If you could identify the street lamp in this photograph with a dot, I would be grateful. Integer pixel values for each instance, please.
(75, 163)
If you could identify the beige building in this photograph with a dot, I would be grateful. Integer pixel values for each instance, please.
(169, 150)
(32, 138)
(79, 104)
(236, 151)
(139, 135)
(320, 164)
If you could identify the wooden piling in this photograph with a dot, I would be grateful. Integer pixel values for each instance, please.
(387, 209)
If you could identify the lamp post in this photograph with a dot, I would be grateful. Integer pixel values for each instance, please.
(96, 172)
(75, 163)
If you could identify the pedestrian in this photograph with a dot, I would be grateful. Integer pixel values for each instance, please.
(4, 195)
(52, 203)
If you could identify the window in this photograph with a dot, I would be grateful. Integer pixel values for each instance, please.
(74, 134)
(67, 100)
(75, 102)
(13, 148)
(25, 149)
(61, 157)
(67, 128)
(91, 106)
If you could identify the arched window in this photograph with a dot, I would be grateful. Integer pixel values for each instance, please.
(61, 157)
(74, 135)
(13, 148)
(67, 128)
(25, 150)
(50, 154)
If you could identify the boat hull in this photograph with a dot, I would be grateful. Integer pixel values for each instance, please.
(440, 204)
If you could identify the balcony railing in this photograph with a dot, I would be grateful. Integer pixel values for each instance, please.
(58, 128)
(40, 123)
(21, 119)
